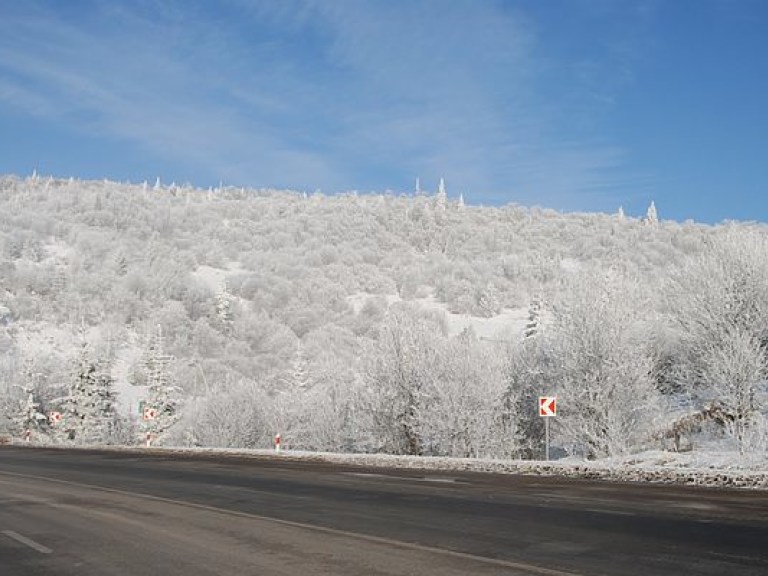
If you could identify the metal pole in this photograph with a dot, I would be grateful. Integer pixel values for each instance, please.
(546, 438)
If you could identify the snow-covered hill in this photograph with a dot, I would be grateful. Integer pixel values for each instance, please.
(384, 323)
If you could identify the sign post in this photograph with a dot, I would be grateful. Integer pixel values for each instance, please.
(277, 442)
(547, 410)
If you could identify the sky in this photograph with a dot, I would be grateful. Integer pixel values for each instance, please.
(576, 105)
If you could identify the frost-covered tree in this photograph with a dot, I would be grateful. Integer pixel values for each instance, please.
(516, 411)
(28, 416)
(457, 414)
(441, 198)
(602, 368)
(88, 409)
(224, 307)
(238, 417)
(164, 396)
(719, 302)
(651, 216)
(405, 365)
(533, 324)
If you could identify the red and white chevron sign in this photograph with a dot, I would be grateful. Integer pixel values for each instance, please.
(547, 405)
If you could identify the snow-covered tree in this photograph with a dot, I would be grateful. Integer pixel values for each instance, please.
(88, 409)
(405, 365)
(457, 413)
(164, 396)
(602, 368)
(441, 198)
(533, 324)
(720, 304)
(28, 416)
(651, 216)
(300, 375)
(225, 307)
(526, 376)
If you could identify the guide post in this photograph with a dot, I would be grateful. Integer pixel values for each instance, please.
(547, 409)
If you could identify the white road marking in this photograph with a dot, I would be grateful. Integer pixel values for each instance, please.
(27, 542)
(531, 568)
(612, 512)
(436, 479)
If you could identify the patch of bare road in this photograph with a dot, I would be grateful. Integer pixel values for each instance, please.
(90, 512)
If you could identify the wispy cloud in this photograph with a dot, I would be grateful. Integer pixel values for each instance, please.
(311, 94)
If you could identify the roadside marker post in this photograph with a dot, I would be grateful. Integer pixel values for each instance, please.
(277, 442)
(547, 410)
(28, 435)
(149, 439)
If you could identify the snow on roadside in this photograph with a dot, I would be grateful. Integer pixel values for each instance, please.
(652, 467)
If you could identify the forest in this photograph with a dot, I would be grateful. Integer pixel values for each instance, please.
(356, 323)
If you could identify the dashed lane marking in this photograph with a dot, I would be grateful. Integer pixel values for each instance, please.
(521, 566)
(27, 542)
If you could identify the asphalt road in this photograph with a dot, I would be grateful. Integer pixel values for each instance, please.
(106, 513)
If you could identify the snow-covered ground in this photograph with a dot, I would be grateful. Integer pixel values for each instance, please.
(505, 326)
(215, 278)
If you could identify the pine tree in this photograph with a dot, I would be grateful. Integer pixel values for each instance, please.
(88, 410)
(652, 218)
(300, 376)
(441, 198)
(29, 416)
(224, 310)
(101, 412)
(534, 319)
(74, 406)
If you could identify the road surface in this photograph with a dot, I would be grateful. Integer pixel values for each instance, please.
(73, 512)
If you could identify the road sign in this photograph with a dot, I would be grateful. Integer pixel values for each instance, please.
(149, 413)
(54, 417)
(547, 406)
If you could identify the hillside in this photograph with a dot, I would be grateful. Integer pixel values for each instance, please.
(378, 323)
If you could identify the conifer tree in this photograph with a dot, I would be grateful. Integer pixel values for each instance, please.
(652, 218)
(224, 310)
(28, 416)
(300, 376)
(441, 199)
(534, 319)
(100, 408)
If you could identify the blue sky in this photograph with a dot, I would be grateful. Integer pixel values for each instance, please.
(582, 105)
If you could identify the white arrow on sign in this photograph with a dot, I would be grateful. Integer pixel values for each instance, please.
(547, 406)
